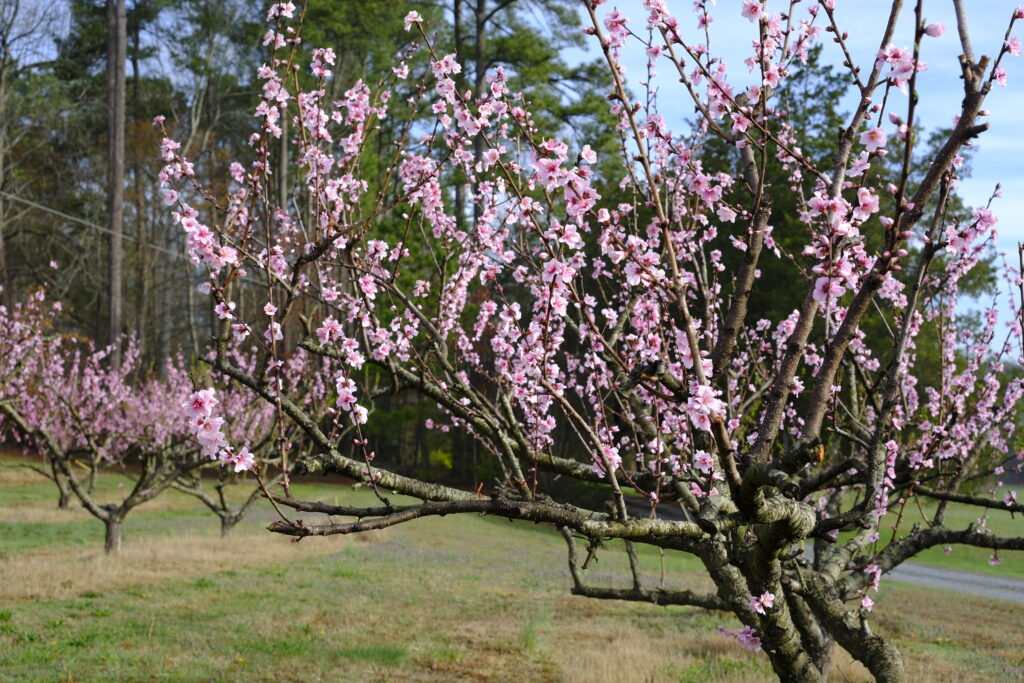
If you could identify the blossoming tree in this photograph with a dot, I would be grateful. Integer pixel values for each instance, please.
(68, 403)
(601, 333)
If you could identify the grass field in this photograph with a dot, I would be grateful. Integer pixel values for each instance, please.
(466, 598)
(999, 522)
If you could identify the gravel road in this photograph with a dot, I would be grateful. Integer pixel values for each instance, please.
(975, 583)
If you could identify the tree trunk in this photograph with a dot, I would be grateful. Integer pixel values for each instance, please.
(5, 285)
(64, 495)
(141, 219)
(116, 40)
(227, 525)
(115, 533)
(191, 312)
(852, 633)
(166, 285)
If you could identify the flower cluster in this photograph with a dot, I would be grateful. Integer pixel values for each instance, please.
(746, 636)
(207, 429)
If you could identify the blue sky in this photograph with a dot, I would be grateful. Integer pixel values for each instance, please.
(1000, 154)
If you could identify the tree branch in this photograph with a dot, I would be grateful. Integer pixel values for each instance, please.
(588, 523)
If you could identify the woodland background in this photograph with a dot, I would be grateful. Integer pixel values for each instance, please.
(80, 209)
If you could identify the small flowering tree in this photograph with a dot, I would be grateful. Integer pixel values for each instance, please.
(599, 332)
(24, 344)
(67, 403)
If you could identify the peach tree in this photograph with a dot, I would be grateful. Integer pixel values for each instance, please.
(600, 329)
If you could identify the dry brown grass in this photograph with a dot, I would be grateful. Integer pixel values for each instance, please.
(63, 574)
(14, 474)
(48, 514)
(23, 513)
(606, 652)
(944, 638)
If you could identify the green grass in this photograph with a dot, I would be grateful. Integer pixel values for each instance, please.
(719, 669)
(437, 600)
(533, 624)
(999, 522)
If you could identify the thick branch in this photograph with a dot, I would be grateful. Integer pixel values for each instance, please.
(968, 499)
(583, 521)
(881, 657)
(657, 596)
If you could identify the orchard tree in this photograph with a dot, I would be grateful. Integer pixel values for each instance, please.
(611, 342)
(82, 414)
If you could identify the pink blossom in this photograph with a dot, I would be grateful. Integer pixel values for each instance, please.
(243, 460)
(747, 638)
(346, 393)
(873, 139)
(224, 309)
(328, 331)
(826, 288)
(703, 400)
(281, 9)
(446, 65)
(273, 332)
(901, 64)
(201, 403)
(867, 204)
(411, 18)
(703, 461)
(368, 286)
(935, 30)
(1013, 46)
(860, 164)
(762, 602)
(609, 459)
(751, 10)
(985, 218)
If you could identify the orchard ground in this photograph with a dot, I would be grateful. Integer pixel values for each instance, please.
(435, 600)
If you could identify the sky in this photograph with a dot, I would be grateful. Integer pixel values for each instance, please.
(999, 157)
